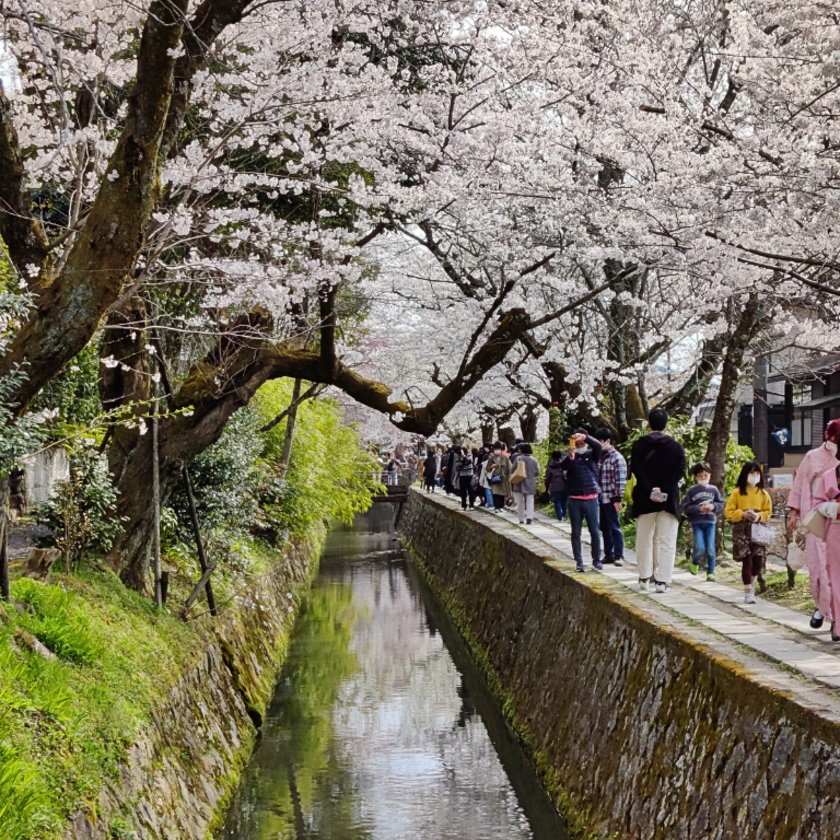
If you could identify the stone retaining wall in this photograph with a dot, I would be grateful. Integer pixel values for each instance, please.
(178, 777)
(638, 728)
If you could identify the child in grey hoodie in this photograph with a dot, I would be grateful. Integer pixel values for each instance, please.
(701, 506)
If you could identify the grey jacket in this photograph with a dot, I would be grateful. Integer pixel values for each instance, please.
(532, 470)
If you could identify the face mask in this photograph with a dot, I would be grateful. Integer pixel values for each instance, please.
(606, 446)
(831, 446)
(497, 451)
(581, 450)
(703, 482)
(753, 480)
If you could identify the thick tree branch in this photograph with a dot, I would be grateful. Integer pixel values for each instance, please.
(20, 230)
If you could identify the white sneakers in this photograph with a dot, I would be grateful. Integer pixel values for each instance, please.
(644, 584)
(658, 586)
(661, 587)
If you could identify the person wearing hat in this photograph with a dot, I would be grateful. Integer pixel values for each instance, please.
(802, 500)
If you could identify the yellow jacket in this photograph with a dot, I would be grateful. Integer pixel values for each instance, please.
(753, 499)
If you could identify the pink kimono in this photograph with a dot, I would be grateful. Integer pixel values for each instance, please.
(828, 491)
(806, 483)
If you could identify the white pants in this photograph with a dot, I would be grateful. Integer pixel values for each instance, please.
(524, 506)
(656, 545)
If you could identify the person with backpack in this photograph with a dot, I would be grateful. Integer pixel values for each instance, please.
(581, 466)
(658, 463)
(612, 476)
(555, 484)
(748, 505)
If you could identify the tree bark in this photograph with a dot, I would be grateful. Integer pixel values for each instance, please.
(291, 420)
(5, 593)
(745, 330)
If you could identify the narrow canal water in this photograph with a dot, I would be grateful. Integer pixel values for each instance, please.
(381, 727)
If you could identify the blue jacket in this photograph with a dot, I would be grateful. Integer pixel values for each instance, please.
(582, 471)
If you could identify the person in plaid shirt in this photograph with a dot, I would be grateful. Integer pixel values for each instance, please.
(613, 472)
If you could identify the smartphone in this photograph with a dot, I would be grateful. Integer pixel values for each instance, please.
(572, 443)
(658, 496)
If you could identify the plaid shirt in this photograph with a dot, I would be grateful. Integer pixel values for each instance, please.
(613, 476)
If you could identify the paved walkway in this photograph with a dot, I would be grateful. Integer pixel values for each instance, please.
(778, 633)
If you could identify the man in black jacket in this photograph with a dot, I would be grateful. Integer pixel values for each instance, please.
(658, 462)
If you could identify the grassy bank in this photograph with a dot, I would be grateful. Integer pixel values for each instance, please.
(67, 716)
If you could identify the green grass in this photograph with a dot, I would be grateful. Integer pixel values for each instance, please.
(65, 724)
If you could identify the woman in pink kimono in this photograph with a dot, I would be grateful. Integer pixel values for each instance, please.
(825, 500)
(801, 502)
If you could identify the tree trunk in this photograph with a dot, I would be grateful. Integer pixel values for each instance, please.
(291, 420)
(5, 594)
(528, 421)
(742, 336)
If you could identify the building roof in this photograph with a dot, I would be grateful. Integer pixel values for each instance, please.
(809, 368)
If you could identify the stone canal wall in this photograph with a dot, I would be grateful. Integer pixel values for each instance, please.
(638, 728)
(178, 777)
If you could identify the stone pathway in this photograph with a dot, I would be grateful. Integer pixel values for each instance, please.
(776, 632)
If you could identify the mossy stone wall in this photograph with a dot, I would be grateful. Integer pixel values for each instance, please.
(177, 778)
(637, 728)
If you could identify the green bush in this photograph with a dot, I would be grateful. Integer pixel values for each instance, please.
(80, 512)
(330, 476)
(695, 441)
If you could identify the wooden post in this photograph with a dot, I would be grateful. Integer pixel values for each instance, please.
(202, 558)
(199, 586)
(156, 497)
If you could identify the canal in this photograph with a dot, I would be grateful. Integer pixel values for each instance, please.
(381, 725)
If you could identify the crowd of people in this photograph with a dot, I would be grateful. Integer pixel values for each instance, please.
(591, 482)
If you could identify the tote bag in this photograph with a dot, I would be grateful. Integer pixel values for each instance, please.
(762, 534)
(816, 523)
(520, 473)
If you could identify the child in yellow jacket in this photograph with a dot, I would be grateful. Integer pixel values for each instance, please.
(749, 503)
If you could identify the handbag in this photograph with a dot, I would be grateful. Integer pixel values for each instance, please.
(520, 473)
(815, 523)
(762, 534)
(795, 557)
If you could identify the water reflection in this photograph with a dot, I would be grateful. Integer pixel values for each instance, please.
(374, 732)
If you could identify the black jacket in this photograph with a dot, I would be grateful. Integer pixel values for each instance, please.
(657, 460)
(555, 478)
(582, 471)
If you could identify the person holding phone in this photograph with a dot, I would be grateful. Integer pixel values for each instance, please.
(658, 463)
(581, 468)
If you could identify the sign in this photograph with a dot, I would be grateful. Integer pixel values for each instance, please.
(782, 436)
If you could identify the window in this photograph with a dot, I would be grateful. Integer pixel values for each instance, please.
(800, 433)
(801, 392)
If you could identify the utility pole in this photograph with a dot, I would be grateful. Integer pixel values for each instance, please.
(761, 422)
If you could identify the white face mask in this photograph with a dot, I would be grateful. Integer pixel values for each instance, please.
(831, 446)
(753, 480)
(703, 482)
(581, 450)
(497, 451)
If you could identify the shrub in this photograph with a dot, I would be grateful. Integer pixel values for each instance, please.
(81, 510)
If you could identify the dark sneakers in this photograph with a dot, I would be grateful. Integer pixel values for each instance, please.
(598, 565)
(579, 567)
